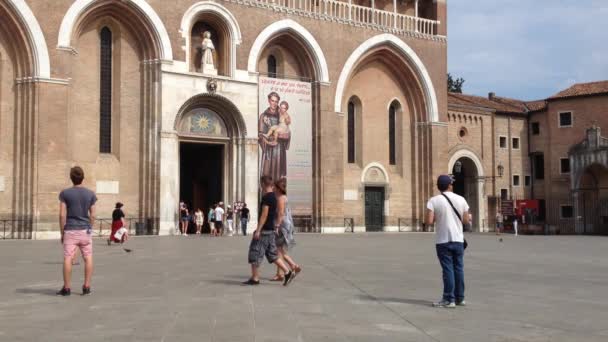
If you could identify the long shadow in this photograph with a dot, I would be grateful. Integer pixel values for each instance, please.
(232, 282)
(46, 292)
(389, 300)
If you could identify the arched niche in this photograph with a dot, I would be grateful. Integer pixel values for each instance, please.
(225, 35)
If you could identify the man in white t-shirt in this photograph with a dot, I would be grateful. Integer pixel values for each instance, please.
(449, 219)
(219, 219)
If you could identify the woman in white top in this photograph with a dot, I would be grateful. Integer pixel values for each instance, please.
(198, 220)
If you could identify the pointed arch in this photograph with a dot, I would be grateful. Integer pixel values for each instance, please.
(80, 7)
(289, 25)
(408, 53)
(37, 42)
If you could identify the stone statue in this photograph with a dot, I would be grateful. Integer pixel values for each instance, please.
(207, 64)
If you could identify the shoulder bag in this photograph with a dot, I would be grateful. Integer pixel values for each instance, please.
(466, 244)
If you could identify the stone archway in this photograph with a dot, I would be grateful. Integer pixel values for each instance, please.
(211, 128)
(589, 179)
(468, 173)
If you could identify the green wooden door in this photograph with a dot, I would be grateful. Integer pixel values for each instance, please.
(374, 209)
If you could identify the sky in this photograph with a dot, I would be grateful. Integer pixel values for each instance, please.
(527, 49)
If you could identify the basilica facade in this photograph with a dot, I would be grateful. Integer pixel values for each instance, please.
(160, 102)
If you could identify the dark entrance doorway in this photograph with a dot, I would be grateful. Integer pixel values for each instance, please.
(201, 175)
(374, 209)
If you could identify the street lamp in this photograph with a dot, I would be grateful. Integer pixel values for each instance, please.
(458, 166)
(501, 170)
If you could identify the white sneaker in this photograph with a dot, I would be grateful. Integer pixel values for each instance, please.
(444, 304)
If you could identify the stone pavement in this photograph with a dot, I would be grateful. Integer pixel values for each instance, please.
(361, 287)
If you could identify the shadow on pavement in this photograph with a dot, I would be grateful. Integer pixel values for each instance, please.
(397, 300)
(47, 292)
(233, 282)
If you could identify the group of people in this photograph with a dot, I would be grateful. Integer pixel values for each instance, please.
(216, 216)
(273, 236)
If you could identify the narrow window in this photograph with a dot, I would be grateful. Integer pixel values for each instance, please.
(515, 180)
(272, 66)
(105, 96)
(351, 132)
(539, 166)
(502, 141)
(392, 155)
(527, 181)
(535, 128)
(567, 211)
(515, 143)
(565, 119)
(564, 165)
(504, 194)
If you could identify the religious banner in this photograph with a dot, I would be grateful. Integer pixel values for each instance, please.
(285, 138)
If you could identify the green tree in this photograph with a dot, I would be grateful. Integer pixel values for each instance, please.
(455, 85)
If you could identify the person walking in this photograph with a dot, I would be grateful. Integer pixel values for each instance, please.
(198, 220)
(211, 219)
(263, 241)
(498, 222)
(219, 219)
(515, 225)
(76, 221)
(244, 219)
(118, 235)
(285, 229)
(230, 220)
(449, 212)
(184, 218)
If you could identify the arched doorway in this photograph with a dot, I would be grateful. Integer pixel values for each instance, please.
(210, 167)
(468, 175)
(591, 200)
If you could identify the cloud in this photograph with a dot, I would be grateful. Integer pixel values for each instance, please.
(527, 49)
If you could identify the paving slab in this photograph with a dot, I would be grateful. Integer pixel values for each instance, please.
(354, 287)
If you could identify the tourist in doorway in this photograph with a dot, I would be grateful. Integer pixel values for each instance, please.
(198, 220)
(230, 220)
(119, 232)
(76, 221)
(184, 217)
(285, 229)
(263, 241)
(498, 223)
(211, 219)
(219, 219)
(449, 212)
(244, 219)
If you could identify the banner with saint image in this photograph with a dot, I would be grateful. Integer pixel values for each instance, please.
(285, 138)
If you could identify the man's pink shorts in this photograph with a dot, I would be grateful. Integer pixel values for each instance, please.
(73, 239)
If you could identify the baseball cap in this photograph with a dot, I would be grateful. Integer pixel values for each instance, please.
(444, 180)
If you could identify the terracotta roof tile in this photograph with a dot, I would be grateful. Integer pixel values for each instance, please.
(534, 106)
(583, 89)
(498, 104)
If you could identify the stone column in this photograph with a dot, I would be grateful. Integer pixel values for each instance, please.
(169, 182)
(251, 167)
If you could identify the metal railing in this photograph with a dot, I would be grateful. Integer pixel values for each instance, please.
(343, 12)
(15, 229)
(304, 224)
(135, 226)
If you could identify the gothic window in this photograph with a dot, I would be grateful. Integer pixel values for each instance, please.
(392, 155)
(272, 66)
(105, 87)
(351, 132)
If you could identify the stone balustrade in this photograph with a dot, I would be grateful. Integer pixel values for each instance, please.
(346, 13)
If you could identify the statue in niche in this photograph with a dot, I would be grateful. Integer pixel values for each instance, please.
(207, 65)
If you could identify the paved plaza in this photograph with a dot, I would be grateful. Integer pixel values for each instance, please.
(361, 287)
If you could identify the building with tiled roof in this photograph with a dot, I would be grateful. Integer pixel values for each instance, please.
(521, 150)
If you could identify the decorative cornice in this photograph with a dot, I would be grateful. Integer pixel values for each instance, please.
(61, 81)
